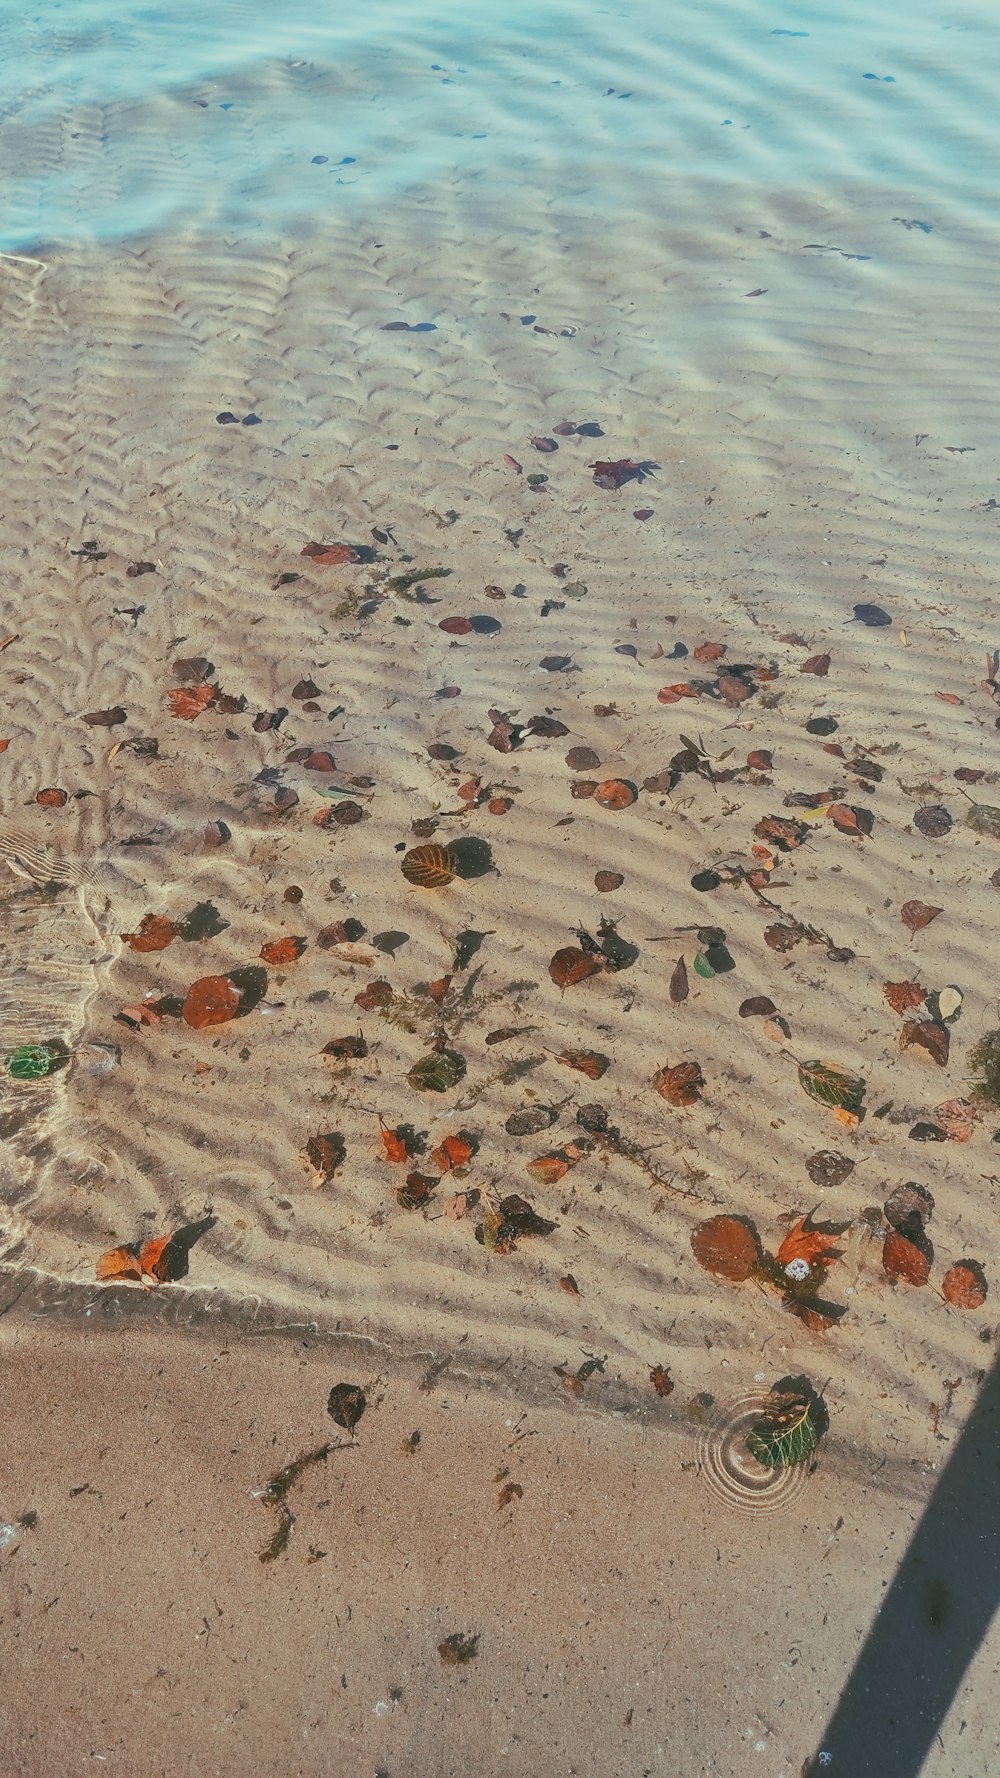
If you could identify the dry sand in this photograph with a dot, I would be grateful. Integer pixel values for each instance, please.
(631, 1621)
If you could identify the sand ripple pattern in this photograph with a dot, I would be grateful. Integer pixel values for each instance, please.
(731, 1472)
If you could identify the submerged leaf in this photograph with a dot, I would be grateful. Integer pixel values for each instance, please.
(964, 1285)
(727, 1247)
(437, 1072)
(785, 1434)
(832, 1086)
(680, 1085)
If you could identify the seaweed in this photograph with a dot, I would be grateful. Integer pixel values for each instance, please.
(984, 1060)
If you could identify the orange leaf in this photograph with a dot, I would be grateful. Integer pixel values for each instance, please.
(902, 1258)
(189, 702)
(949, 697)
(615, 793)
(282, 950)
(453, 1152)
(329, 555)
(818, 664)
(727, 1247)
(549, 1168)
(964, 1285)
(661, 1380)
(4, 746)
(734, 690)
(917, 914)
(213, 1000)
(569, 1285)
(680, 1085)
(155, 933)
(155, 1258)
(52, 798)
(957, 1118)
(588, 1062)
(396, 1144)
(672, 694)
(572, 965)
(901, 996)
(709, 651)
(811, 1242)
(118, 1262)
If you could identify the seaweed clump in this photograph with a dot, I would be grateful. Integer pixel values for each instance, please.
(984, 1061)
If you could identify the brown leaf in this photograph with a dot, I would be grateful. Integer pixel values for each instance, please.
(589, 1062)
(757, 1007)
(330, 555)
(816, 1243)
(571, 965)
(548, 1169)
(760, 760)
(607, 880)
(106, 718)
(672, 694)
(928, 1035)
(680, 1085)
(917, 914)
(325, 1154)
(453, 1152)
(569, 1285)
(818, 664)
(118, 1262)
(957, 1118)
(850, 820)
(727, 1247)
(709, 651)
(781, 938)
(189, 703)
(155, 933)
(964, 1285)
(734, 690)
(345, 1404)
(428, 867)
(901, 996)
(51, 798)
(902, 1258)
(678, 988)
(615, 793)
(661, 1380)
(509, 1492)
(351, 1048)
(213, 1000)
(283, 950)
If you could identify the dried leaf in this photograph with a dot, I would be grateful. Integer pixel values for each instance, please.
(52, 797)
(902, 996)
(106, 718)
(155, 933)
(832, 1086)
(917, 914)
(760, 760)
(661, 1380)
(928, 1035)
(282, 950)
(678, 988)
(437, 1072)
(672, 694)
(607, 880)
(957, 1118)
(351, 1048)
(933, 821)
(902, 1258)
(846, 819)
(826, 1168)
(984, 818)
(428, 867)
(818, 664)
(734, 690)
(119, 1262)
(709, 651)
(571, 965)
(345, 1404)
(615, 793)
(908, 1207)
(190, 703)
(964, 1285)
(453, 1152)
(510, 1492)
(325, 1154)
(680, 1085)
(569, 1284)
(589, 1062)
(786, 1434)
(815, 1243)
(213, 1000)
(330, 555)
(757, 1007)
(457, 1649)
(727, 1247)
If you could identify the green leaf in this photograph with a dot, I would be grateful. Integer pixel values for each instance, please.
(30, 1061)
(703, 967)
(784, 1435)
(437, 1072)
(984, 818)
(832, 1086)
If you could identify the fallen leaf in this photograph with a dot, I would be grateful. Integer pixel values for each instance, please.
(52, 797)
(661, 1380)
(933, 821)
(155, 933)
(928, 1035)
(398, 1143)
(872, 615)
(571, 965)
(330, 555)
(678, 986)
(428, 867)
(119, 1262)
(826, 1168)
(901, 996)
(949, 697)
(615, 793)
(672, 694)
(819, 664)
(106, 718)
(917, 914)
(727, 1247)
(325, 1154)
(345, 1404)
(282, 950)
(757, 1007)
(453, 1152)
(833, 1086)
(680, 1085)
(569, 1285)
(902, 1258)
(957, 1118)
(510, 1491)
(589, 1062)
(760, 760)
(964, 1285)
(457, 1649)
(850, 820)
(213, 1000)
(351, 1048)
(734, 690)
(815, 1243)
(709, 651)
(190, 703)
(548, 1169)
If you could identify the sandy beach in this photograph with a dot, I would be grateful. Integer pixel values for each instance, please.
(523, 633)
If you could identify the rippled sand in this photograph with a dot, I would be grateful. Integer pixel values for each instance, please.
(760, 270)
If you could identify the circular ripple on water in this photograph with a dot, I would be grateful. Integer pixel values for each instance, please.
(731, 1472)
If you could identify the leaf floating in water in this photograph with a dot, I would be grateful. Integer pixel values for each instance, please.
(826, 1168)
(759, 1006)
(325, 1154)
(902, 996)
(661, 1380)
(346, 1404)
(571, 965)
(727, 1247)
(902, 1258)
(437, 1072)
(615, 793)
(283, 950)
(507, 1222)
(106, 718)
(605, 881)
(155, 933)
(785, 1434)
(213, 1000)
(31, 1061)
(819, 664)
(832, 1086)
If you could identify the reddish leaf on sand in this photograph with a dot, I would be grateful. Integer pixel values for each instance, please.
(51, 798)
(455, 626)
(680, 1085)
(213, 1000)
(726, 1247)
(709, 651)
(927, 1034)
(4, 746)
(615, 474)
(330, 555)
(155, 933)
(189, 702)
(512, 463)
(571, 965)
(672, 694)
(351, 1048)
(397, 1145)
(661, 1380)
(606, 881)
(678, 986)
(118, 1262)
(957, 1118)
(818, 664)
(760, 760)
(902, 1258)
(325, 1154)
(319, 762)
(734, 690)
(816, 1243)
(428, 867)
(378, 993)
(588, 1062)
(615, 793)
(850, 820)
(547, 1169)
(453, 1152)
(917, 914)
(155, 1258)
(964, 1285)
(282, 950)
(902, 996)
(781, 832)
(569, 1284)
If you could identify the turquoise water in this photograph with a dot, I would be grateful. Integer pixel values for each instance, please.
(248, 115)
